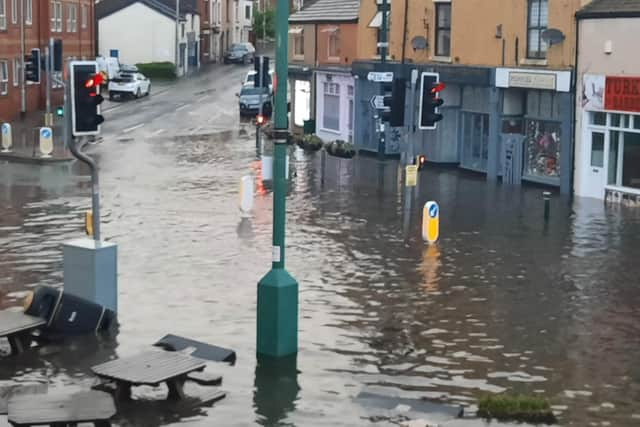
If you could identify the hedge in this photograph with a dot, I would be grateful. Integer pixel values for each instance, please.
(158, 70)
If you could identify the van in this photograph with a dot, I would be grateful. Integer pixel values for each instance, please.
(109, 66)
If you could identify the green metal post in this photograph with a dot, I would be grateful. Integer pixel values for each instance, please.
(277, 323)
(383, 59)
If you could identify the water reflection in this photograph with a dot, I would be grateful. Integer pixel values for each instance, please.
(276, 390)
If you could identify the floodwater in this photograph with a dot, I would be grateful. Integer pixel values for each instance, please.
(504, 301)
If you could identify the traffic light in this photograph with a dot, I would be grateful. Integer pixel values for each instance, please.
(264, 71)
(57, 55)
(394, 101)
(260, 120)
(60, 111)
(430, 100)
(420, 161)
(32, 66)
(86, 98)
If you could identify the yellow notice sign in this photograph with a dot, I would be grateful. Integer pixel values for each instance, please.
(411, 176)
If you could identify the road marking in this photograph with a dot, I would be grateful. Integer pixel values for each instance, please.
(115, 107)
(182, 107)
(202, 98)
(158, 132)
(133, 128)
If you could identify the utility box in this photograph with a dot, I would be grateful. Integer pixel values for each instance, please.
(91, 271)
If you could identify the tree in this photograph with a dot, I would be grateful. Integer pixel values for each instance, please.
(268, 18)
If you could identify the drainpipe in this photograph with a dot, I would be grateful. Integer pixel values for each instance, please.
(177, 34)
(404, 31)
(23, 88)
(574, 113)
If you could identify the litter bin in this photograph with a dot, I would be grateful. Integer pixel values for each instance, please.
(309, 127)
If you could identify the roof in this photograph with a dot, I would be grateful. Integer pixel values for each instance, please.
(610, 9)
(327, 11)
(165, 7)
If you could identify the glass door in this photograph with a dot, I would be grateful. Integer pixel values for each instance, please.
(595, 176)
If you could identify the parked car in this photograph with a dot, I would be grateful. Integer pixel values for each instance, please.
(250, 101)
(240, 53)
(130, 84)
(249, 79)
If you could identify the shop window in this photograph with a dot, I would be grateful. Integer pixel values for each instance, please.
(599, 119)
(443, 29)
(597, 149)
(612, 167)
(537, 22)
(511, 125)
(631, 160)
(302, 102)
(475, 140)
(331, 110)
(542, 148)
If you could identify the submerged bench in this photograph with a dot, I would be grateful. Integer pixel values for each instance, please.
(61, 410)
(18, 327)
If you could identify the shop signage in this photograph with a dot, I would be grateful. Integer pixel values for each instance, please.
(532, 80)
(622, 94)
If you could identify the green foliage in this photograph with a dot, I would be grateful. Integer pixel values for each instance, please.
(310, 143)
(340, 148)
(158, 70)
(521, 408)
(268, 18)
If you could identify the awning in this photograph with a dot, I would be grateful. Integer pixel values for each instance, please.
(376, 22)
(295, 30)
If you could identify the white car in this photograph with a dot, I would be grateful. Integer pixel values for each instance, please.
(250, 78)
(131, 84)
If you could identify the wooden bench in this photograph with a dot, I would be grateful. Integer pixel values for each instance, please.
(150, 368)
(62, 410)
(17, 327)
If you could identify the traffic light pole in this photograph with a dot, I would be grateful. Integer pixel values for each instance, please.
(277, 317)
(261, 85)
(71, 143)
(49, 69)
(383, 59)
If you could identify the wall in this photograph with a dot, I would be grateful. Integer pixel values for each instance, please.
(347, 50)
(623, 34)
(154, 35)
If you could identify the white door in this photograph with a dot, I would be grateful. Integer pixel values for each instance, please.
(595, 174)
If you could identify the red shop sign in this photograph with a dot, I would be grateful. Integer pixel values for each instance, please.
(622, 94)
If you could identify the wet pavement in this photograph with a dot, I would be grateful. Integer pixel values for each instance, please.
(504, 302)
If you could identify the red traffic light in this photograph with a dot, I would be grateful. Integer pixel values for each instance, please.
(422, 159)
(94, 81)
(438, 88)
(260, 119)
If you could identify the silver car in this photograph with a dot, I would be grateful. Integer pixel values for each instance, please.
(250, 98)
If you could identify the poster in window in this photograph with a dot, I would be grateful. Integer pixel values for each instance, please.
(542, 148)
(593, 92)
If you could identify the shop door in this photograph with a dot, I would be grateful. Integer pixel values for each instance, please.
(595, 177)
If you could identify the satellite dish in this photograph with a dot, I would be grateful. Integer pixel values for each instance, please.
(419, 43)
(553, 36)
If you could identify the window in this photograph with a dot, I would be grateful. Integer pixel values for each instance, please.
(85, 16)
(331, 112)
(298, 44)
(28, 12)
(56, 16)
(350, 118)
(4, 76)
(3, 14)
(247, 12)
(72, 19)
(235, 11)
(14, 11)
(182, 30)
(334, 44)
(443, 29)
(597, 149)
(536, 24)
(16, 72)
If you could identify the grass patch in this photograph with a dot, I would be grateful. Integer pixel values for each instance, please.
(158, 70)
(531, 409)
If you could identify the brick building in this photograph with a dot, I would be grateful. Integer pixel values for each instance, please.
(72, 21)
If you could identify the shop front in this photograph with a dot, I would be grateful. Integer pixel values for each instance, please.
(608, 163)
(302, 100)
(335, 94)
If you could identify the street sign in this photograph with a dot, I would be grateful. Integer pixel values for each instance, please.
(380, 77)
(377, 102)
(411, 175)
(383, 44)
(431, 222)
(46, 141)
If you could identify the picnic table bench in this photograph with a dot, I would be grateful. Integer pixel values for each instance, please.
(61, 410)
(150, 368)
(17, 327)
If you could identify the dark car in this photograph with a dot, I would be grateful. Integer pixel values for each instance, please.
(240, 53)
(250, 98)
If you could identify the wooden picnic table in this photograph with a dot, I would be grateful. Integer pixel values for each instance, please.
(150, 368)
(17, 327)
(61, 410)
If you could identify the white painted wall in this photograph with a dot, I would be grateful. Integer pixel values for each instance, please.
(344, 81)
(139, 33)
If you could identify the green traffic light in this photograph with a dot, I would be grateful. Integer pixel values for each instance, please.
(60, 112)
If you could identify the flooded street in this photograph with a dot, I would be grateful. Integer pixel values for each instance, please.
(504, 302)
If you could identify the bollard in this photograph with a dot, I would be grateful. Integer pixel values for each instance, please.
(431, 222)
(547, 204)
(46, 142)
(7, 139)
(246, 194)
